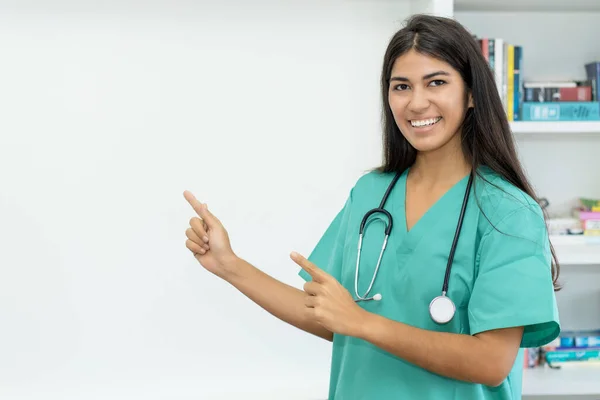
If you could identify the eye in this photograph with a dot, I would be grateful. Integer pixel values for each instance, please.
(400, 87)
(437, 82)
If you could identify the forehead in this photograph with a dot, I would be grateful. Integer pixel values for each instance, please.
(413, 63)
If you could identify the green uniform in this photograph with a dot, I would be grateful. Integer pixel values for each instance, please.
(501, 277)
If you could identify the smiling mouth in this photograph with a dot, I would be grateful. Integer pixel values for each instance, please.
(417, 123)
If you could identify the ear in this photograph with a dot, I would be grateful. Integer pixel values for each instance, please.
(470, 103)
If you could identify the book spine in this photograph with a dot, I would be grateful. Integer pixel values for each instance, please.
(561, 111)
(544, 94)
(510, 83)
(572, 355)
(499, 67)
(505, 74)
(579, 93)
(485, 49)
(518, 87)
(592, 71)
(587, 341)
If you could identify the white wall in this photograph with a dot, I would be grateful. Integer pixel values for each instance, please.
(268, 111)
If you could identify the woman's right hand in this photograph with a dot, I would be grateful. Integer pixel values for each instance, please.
(208, 240)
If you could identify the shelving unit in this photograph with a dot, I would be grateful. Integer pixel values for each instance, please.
(560, 158)
(577, 250)
(527, 5)
(519, 127)
(575, 380)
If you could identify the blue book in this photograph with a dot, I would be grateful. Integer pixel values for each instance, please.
(587, 341)
(592, 71)
(578, 339)
(518, 84)
(561, 111)
(572, 355)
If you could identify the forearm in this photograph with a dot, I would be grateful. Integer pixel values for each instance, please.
(456, 356)
(279, 299)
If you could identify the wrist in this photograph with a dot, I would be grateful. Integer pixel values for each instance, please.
(373, 327)
(364, 324)
(233, 268)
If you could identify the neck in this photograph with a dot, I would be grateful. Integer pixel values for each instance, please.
(446, 165)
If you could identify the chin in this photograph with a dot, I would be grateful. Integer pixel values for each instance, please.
(425, 146)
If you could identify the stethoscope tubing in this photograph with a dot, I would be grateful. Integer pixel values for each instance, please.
(388, 229)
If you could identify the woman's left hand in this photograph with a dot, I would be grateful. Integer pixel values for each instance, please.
(328, 302)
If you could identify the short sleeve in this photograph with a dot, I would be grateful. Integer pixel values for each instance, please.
(514, 284)
(328, 253)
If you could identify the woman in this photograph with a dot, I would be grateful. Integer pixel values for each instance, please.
(453, 178)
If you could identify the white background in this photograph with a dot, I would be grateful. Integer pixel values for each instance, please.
(267, 111)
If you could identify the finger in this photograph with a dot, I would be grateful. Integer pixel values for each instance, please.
(196, 205)
(209, 218)
(315, 272)
(193, 236)
(198, 227)
(202, 210)
(312, 288)
(310, 301)
(194, 247)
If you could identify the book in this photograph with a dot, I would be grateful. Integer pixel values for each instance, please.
(561, 111)
(592, 71)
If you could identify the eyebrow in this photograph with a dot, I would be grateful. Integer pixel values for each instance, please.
(425, 77)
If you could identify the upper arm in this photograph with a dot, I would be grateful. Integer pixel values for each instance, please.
(513, 287)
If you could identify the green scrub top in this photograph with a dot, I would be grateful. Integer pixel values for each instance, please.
(501, 277)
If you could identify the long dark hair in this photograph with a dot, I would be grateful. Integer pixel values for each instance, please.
(486, 136)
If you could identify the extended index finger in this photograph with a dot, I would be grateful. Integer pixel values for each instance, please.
(196, 205)
(315, 272)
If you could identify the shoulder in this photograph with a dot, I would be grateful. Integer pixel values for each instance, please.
(505, 205)
(372, 181)
(374, 177)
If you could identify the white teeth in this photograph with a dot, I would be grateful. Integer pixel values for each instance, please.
(425, 122)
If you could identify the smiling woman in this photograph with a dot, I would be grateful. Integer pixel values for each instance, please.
(429, 108)
(462, 228)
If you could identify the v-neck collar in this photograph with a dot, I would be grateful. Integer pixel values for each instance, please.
(446, 208)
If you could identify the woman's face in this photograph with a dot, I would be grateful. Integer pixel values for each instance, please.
(427, 99)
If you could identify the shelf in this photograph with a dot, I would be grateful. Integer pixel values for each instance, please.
(528, 5)
(578, 379)
(555, 127)
(577, 249)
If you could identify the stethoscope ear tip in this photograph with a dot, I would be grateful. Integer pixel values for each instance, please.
(377, 297)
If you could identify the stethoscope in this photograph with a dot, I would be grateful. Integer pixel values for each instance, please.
(441, 308)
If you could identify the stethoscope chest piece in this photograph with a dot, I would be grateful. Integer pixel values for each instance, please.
(442, 309)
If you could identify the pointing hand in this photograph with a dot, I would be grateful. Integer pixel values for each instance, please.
(328, 302)
(207, 239)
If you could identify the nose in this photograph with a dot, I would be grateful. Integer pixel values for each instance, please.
(418, 102)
